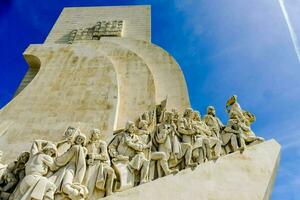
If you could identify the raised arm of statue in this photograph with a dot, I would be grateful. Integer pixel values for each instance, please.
(49, 161)
(60, 143)
(134, 144)
(37, 146)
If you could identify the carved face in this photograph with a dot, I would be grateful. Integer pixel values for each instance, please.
(143, 125)
(24, 157)
(168, 118)
(197, 116)
(131, 128)
(80, 139)
(234, 124)
(211, 110)
(175, 113)
(69, 134)
(188, 113)
(95, 135)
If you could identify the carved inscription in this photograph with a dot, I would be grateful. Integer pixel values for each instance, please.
(101, 29)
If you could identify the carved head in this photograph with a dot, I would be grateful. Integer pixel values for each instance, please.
(143, 124)
(168, 117)
(188, 113)
(211, 110)
(95, 135)
(233, 115)
(69, 133)
(130, 127)
(50, 150)
(24, 157)
(175, 111)
(197, 116)
(80, 139)
(233, 123)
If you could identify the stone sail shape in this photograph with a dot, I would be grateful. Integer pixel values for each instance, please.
(236, 176)
(98, 80)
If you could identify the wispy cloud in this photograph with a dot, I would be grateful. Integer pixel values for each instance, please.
(290, 27)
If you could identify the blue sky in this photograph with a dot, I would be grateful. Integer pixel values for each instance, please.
(224, 47)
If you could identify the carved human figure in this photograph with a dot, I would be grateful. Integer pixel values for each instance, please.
(168, 142)
(128, 146)
(244, 120)
(232, 106)
(99, 177)
(160, 109)
(13, 174)
(175, 115)
(190, 135)
(72, 163)
(68, 139)
(137, 157)
(247, 135)
(201, 138)
(155, 156)
(35, 184)
(231, 135)
(215, 125)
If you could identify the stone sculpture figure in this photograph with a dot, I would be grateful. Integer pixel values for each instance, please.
(175, 115)
(158, 160)
(232, 106)
(188, 133)
(35, 184)
(67, 141)
(247, 135)
(138, 160)
(127, 149)
(13, 174)
(201, 137)
(245, 119)
(168, 142)
(160, 109)
(69, 177)
(99, 177)
(215, 125)
(231, 135)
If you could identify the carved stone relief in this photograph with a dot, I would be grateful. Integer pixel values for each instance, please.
(157, 144)
(101, 29)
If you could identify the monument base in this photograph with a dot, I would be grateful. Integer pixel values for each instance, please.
(248, 176)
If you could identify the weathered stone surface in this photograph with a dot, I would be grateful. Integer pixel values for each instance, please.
(247, 176)
(90, 84)
(137, 21)
(74, 86)
(167, 74)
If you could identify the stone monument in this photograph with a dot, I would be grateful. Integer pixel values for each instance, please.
(102, 112)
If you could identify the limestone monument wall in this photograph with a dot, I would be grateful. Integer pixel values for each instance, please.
(91, 83)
